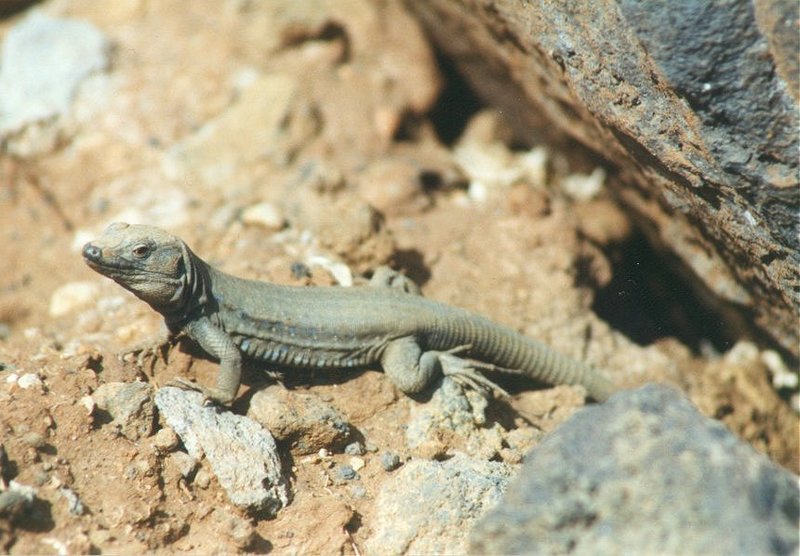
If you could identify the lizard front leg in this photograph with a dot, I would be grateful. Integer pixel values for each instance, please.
(412, 370)
(218, 344)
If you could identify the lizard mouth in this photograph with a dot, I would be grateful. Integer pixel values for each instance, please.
(93, 256)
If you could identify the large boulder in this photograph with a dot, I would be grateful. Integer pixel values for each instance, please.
(644, 473)
(696, 103)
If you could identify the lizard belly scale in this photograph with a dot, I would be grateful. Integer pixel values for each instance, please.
(281, 343)
(283, 353)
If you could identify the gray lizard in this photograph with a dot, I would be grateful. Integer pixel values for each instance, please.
(414, 339)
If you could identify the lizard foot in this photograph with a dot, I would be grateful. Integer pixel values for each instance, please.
(210, 395)
(467, 371)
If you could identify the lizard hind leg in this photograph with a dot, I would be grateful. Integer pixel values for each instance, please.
(466, 372)
(413, 370)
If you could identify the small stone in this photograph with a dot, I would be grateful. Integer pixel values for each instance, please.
(782, 376)
(264, 214)
(34, 440)
(41, 478)
(240, 531)
(29, 380)
(303, 421)
(358, 490)
(354, 449)
(338, 270)
(183, 463)
(357, 463)
(370, 447)
(390, 461)
(202, 479)
(74, 503)
(99, 537)
(345, 473)
(16, 501)
(582, 187)
(71, 296)
(130, 405)
(300, 270)
(165, 440)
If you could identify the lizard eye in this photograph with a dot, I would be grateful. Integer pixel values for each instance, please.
(141, 251)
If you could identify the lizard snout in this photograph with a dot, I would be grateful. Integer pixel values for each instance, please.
(91, 252)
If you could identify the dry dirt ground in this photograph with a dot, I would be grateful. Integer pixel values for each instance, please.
(306, 143)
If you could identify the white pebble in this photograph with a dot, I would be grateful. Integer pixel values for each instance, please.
(357, 463)
(263, 214)
(28, 380)
(340, 271)
(582, 187)
(782, 376)
(88, 403)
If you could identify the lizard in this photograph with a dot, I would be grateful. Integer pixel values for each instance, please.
(415, 340)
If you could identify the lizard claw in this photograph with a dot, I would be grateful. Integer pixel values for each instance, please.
(466, 371)
(210, 395)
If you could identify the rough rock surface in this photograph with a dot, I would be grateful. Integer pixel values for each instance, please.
(243, 455)
(44, 61)
(130, 405)
(303, 421)
(428, 505)
(696, 103)
(644, 473)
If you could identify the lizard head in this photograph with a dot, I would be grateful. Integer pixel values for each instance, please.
(154, 265)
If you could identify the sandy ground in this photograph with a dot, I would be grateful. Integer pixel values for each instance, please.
(303, 143)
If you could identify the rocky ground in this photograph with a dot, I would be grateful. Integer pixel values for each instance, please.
(304, 143)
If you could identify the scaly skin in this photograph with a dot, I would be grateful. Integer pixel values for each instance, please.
(412, 338)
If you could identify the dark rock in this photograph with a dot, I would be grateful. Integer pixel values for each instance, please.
(345, 473)
(354, 449)
(694, 102)
(390, 461)
(644, 473)
(16, 500)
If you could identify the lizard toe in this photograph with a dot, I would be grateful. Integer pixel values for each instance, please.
(466, 372)
(210, 395)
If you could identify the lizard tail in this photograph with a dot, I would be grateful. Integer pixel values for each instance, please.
(511, 350)
(545, 364)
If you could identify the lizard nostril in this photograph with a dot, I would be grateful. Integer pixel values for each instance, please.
(91, 251)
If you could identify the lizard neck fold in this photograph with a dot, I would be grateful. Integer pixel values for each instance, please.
(192, 294)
